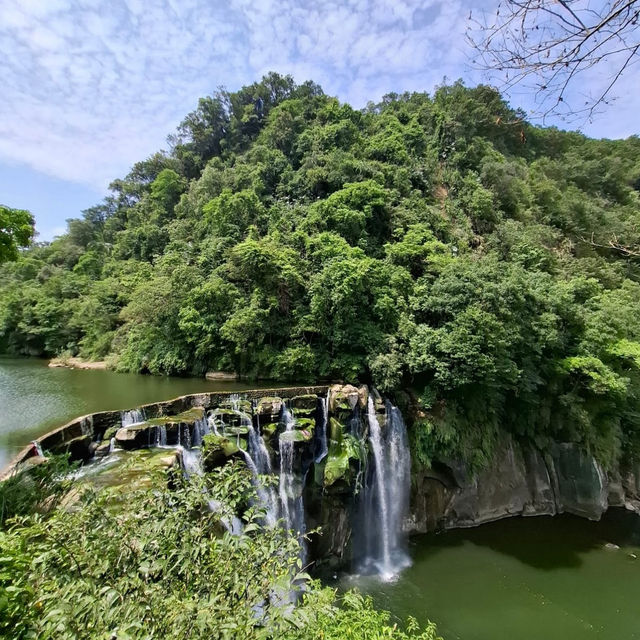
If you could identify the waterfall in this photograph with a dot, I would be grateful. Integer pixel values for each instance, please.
(322, 447)
(262, 463)
(264, 496)
(191, 461)
(386, 498)
(135, 416)
(161, 436)
(112, 445)
(200, 429)
(290, 493)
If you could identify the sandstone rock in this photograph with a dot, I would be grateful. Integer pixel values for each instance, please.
(221, 375)
(268, 409)
(135, 436)
(343, 398)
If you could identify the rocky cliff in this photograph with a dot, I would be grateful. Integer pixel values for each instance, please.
(521, 481)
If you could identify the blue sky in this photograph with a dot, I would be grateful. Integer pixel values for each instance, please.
(91, 86)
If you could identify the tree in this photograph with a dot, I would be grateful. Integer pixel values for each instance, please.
(551, 44)
(16, 230)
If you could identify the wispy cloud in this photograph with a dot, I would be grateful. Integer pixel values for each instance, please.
(90, 87)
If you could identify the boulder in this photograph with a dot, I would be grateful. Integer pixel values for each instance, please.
(217, 450)
(343, 398)
(221, 375)
(268, 409)
(305, 405)
(78, 448)
(137, 436)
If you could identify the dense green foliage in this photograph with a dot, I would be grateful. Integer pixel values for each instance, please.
(439, 243)
(158, 564)
(16, 230)
(22, 494)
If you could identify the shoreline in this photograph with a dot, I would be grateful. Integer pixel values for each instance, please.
(77, 363)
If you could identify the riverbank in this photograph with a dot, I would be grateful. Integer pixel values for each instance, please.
(78, 363)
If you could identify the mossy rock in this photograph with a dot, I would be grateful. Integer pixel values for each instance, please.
(268, 429)
(269, 406)
(234, 431)
(186, 417)
(308, 424)
(318, 472)
(131, 471)
(230, 418)
(343, 397)
(78, 448)
(338, 461)
(296, 435)
(216, 450)
(242, 405)
(111, 432)
(305, 405)
(336, 430)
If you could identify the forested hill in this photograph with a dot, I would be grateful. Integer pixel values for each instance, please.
(435, 243)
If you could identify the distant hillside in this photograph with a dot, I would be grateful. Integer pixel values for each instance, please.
(434, 243)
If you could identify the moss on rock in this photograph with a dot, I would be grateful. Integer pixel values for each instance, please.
(216, 450)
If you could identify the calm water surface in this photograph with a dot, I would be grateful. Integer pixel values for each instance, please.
(523, 579)
(35, 398)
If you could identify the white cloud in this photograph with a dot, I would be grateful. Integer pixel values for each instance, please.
(91, 87)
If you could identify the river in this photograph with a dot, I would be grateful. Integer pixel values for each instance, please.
(517, 579)
(35, 398)
(523, 579)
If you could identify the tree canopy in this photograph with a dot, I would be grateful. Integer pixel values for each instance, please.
(16, 230)
(437, 243)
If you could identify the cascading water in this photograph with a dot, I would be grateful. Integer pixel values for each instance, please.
(161, 436)
(290, 494)
(323, 447)
(191, 461)
(386, 496)
(200, 429)
(231, 523)
(135, 416)
(262, 462)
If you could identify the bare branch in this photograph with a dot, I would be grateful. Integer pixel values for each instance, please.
(614, 244)
(547, 44)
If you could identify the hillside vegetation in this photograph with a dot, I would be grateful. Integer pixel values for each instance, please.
(434, 243)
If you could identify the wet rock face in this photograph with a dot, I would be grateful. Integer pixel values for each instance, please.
(581, 485)
(268, 409)
(520, 481)
(345, 398)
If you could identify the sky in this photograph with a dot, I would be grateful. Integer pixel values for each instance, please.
(91, 86)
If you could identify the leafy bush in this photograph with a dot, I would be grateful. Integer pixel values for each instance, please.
(154, 563)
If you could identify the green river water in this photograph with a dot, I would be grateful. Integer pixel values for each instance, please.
(35, 398)
(537, 578)
(518, 579)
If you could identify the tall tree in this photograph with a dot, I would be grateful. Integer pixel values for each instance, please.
(16, 230)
